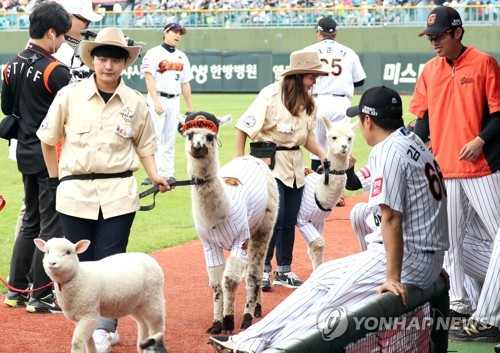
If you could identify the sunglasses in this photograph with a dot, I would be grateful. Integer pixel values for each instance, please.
(438, 37)
(84, 20)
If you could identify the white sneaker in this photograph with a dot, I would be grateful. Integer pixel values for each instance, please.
(104, 340)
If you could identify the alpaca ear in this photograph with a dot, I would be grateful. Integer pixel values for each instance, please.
(354, 124)
(224, 119)
(181, 118)
(327, 122)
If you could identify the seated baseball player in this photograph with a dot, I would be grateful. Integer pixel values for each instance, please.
(401, 250)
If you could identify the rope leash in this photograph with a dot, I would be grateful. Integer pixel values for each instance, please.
(24, 290)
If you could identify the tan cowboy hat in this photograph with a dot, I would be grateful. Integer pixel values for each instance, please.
(108, 36)
(306, 62)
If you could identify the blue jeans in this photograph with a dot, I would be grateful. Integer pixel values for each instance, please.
(283, 237)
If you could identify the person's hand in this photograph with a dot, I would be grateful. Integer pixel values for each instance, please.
(471, 150)
(52, 184)
(161, 181)
(395, 287)
(159, 108)
(352, 161)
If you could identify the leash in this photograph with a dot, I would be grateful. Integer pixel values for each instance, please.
(326, 163)
(24, 290)
(172, 182)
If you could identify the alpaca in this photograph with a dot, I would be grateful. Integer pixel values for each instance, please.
(322, 192)
(234, 208)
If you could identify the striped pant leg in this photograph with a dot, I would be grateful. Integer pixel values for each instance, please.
(477, 247)
(473, 288)
(166, 134)
(457, 205)
(358, 216)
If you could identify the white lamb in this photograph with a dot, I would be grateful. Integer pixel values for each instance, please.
(322, 191)
(116, 286)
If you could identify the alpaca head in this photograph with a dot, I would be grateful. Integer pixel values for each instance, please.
(340, 139)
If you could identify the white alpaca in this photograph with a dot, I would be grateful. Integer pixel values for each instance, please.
(234, 208)
(319, 198)
(116, 286)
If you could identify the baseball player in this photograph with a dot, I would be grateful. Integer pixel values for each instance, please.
(333, 93)
(456, 100)
(167, 72)
(404, 250)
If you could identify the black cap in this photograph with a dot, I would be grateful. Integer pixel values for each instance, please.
(327, 24)
(379, 102)
(174, 27)
(202, 120)
(441, 19)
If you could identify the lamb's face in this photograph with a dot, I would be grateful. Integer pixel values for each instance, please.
(59, 258)
(200, 142)
(340, 139)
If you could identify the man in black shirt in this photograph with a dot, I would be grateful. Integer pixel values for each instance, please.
(35, 76)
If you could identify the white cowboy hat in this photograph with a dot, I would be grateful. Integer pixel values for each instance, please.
(306, 62)
(108, 36)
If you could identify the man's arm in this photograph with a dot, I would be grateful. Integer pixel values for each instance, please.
(422, 127)
(50, 157)
(186, 92)
(241, 139)
(151, 86)
(392, 233)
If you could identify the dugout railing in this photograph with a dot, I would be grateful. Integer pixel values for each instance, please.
(433, 301)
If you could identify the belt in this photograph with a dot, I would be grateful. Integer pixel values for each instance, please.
(329, 94)
(167, 95)
(93, 176)
(281, 148)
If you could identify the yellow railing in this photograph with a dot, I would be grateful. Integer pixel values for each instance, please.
(282, 17)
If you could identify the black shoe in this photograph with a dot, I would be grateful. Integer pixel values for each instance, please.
(45, 305)
(15, 299)
(266, 282)
(457, 320)
(146, 182)
(475, 331)
(222, 344)
(497, 349)
(287, 279)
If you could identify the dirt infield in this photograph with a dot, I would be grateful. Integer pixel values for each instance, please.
(189, 299)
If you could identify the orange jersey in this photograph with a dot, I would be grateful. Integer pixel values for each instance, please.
(460, 100)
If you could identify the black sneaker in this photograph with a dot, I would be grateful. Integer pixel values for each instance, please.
(287, 279)
(146, 182)
(475, 331)
(45, 305)
(15, 299)
(222, 344)
(266, 282)
(457, 320)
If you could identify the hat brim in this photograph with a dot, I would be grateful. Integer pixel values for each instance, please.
(352, 111)
(320, 70)
(433, 31)
(91, 16)
(86, 47)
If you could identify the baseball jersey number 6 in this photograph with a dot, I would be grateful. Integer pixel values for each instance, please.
(435, 178)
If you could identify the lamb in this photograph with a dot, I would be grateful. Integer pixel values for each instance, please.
(234, 208)
(116, 286)
(322, 192)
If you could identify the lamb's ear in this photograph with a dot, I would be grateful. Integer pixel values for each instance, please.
(327, 122)
(40, 244)
(81, 246)
(181, 118)
(224, 119)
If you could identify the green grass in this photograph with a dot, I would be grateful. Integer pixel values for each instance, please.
(170, 223)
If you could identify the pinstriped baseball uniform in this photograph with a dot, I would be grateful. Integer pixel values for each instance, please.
(170, 71)
(401, 183)
(334, 92)
(248, 204)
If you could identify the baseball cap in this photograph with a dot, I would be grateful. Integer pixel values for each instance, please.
(81, 8)
(441, 19)
(202, 120)
(327, 24)
(175, 27)
(379, 102)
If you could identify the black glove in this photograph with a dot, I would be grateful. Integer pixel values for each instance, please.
(52, 184)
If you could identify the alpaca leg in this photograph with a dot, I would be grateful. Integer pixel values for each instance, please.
(215, 282)
(231, 280)
(315, 251)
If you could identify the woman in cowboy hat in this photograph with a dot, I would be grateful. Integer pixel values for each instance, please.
(282, 118)
(105, 124)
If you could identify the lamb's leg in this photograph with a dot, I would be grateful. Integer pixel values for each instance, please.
(316, 251)
(215, 282)
(233, 275)
(82, 336)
